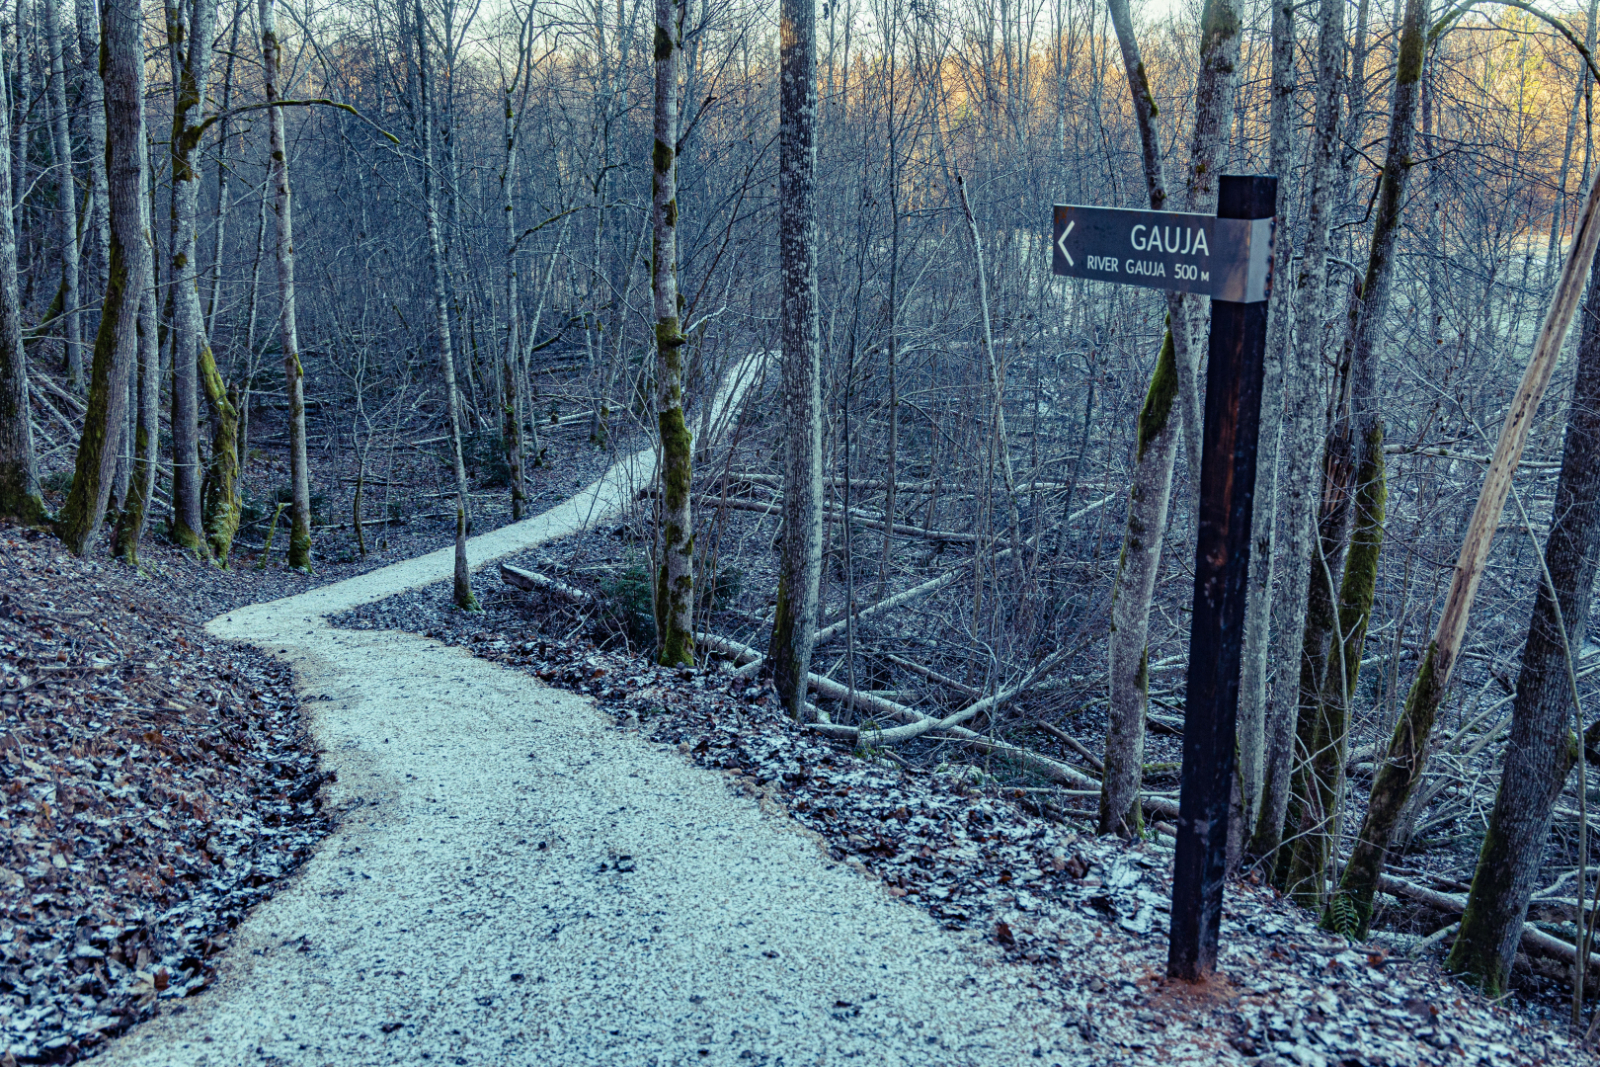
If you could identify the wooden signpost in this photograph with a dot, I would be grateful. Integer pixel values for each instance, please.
(1227, 257)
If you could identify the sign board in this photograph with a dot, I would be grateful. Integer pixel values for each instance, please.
(1225, 259)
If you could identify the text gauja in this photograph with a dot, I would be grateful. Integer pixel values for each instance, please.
(1173, 240)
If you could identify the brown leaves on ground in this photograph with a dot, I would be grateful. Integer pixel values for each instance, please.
(156, 784)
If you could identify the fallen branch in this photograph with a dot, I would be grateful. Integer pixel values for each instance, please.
(934, 676)
(1073, 743)
(531, 582)
(916, 592)
(1043, 766)
(900, 529)
(923, 725)
(1533, 938)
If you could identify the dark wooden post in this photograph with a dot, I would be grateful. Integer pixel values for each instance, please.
(1222, 558)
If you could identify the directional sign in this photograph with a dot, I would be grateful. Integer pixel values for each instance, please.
(1226, 259)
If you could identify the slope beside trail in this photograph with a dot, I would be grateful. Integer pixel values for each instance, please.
(514, 882)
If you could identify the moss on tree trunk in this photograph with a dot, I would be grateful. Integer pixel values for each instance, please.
(220, 494)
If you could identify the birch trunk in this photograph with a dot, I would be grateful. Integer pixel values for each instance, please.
(117, 340)
(441, 307)
(19, 478)
(675, 575)
(1542, 749)
(800, 568)
(66, 193)
(289, 329)
(1299, 450)
(1402, 766)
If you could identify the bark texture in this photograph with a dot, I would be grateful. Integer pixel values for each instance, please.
(1298, 459)
(441, 306)
(66, 193)
(116, 342)
(800, 568)
(1276, 384)
(675, 575)
(189, 33)
(1174, 385)
(1138, 567)
(511, 371)
(146, 436)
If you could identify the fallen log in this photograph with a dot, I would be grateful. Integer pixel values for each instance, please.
(1533, 938)
(532, 582)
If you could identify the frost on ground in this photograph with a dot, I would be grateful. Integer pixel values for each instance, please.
(1082, 921)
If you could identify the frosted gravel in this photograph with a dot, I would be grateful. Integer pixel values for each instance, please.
(517, 883)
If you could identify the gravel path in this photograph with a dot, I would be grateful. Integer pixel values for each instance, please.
(516, 883)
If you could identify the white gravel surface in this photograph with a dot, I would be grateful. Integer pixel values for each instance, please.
(514, 882)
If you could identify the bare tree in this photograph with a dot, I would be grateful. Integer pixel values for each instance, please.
(1541, 754)
(289, 330)
(675, 541)
(19, 480)
(116, 343)
(795, 623)
(441, 305)
(66, 194)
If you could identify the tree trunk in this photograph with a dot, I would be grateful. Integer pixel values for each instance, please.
(1275, 385)
(1353, 497)
(116, 342)
(441, 306)
(21, 90)
(1542, 747)
(220, 224)
(1158, 440)
(1402, 766)
(800, 568)
(66, 193)
(293, 372)
(1130, 605)
(190, 43)
(147, 430)
(512, 372)
(19, 478)
(92, 102)
(675, 575)
(1298, 461)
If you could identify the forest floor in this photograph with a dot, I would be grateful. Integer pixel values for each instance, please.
(603, 862)
(680, 875)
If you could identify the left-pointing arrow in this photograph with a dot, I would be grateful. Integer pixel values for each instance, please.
(1061, 243)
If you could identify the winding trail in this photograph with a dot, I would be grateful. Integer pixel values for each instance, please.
(514, 882)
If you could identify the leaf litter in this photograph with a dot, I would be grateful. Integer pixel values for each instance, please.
(158, 784)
